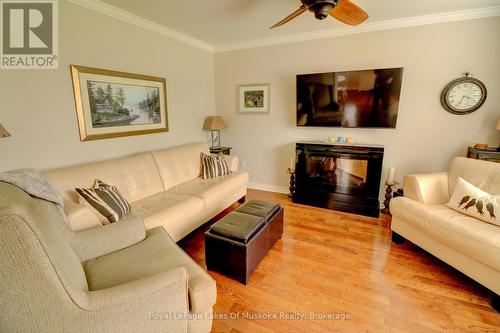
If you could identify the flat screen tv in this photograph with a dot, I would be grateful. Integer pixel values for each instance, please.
(365, 98)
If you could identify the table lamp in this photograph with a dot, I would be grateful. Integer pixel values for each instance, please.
(3, 132)
(214, 124)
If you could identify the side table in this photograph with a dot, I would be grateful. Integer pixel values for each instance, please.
(224, 150)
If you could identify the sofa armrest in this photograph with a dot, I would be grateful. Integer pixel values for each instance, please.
(80, 217)
(430, 188)
(109, 238)
(232, 162)
(171, 283)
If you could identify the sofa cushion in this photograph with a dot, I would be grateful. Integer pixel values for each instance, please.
(483, 174)
(162, 254)
(80, 217)
(180, 164)
(136, 176)
(472, 237)
(213, 189)
(168, 209)
(468, 199)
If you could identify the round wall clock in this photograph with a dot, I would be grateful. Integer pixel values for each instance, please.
(463, 95)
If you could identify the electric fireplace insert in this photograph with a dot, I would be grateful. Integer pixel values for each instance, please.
(344, 177)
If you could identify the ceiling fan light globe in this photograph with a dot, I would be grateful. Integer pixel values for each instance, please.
(320, 16)
(322, 11)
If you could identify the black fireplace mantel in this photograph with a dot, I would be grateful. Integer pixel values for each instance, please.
(344, 177)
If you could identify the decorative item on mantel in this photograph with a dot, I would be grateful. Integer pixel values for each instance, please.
(214, 124)
(3, 132)
(340, 139)
(389, 183)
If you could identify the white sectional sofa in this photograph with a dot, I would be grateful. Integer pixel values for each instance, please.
(164, 188)
(119, 277)
(468, 244)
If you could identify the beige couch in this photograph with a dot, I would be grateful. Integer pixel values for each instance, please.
(80, 276)
(468, 244)
(163, 186)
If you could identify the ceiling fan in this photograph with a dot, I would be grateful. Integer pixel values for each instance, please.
(343, 10)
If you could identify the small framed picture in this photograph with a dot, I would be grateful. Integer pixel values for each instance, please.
(253, 98)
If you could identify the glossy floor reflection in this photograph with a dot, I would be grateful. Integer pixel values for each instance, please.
(336, 263)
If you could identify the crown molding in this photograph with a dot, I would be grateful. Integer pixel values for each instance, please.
(461, 15)
(122, 15)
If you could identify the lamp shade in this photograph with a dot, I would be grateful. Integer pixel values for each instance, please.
(214, 123)
(3, 132)
(498, 124)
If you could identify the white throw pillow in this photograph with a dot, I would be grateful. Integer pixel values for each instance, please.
(468, 199)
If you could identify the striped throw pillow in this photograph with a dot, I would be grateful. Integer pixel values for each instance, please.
(107, 200)
(213, 166)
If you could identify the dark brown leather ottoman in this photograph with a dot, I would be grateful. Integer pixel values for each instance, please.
(237, 243)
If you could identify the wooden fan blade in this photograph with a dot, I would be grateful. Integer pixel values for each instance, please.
(349, 13)
(290, 17)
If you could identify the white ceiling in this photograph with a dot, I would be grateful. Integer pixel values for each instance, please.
(222, 23)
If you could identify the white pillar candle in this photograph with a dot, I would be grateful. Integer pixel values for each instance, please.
(292, 164)
(390, 175)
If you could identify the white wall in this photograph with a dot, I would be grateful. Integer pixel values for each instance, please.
(426, 137)
(37, 106)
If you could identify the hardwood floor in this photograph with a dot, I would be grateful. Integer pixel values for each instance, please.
(335, 263)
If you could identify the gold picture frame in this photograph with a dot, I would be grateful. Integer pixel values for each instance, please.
(112, 104)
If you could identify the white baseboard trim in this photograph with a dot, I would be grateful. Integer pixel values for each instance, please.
(269, 188)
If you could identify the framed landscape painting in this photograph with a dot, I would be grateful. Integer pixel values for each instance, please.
(254, 98)
(112, 104)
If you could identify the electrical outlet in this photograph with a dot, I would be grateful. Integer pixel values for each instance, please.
(243, 164)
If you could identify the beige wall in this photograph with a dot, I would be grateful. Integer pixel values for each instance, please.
(37, 106)
(426, 137)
